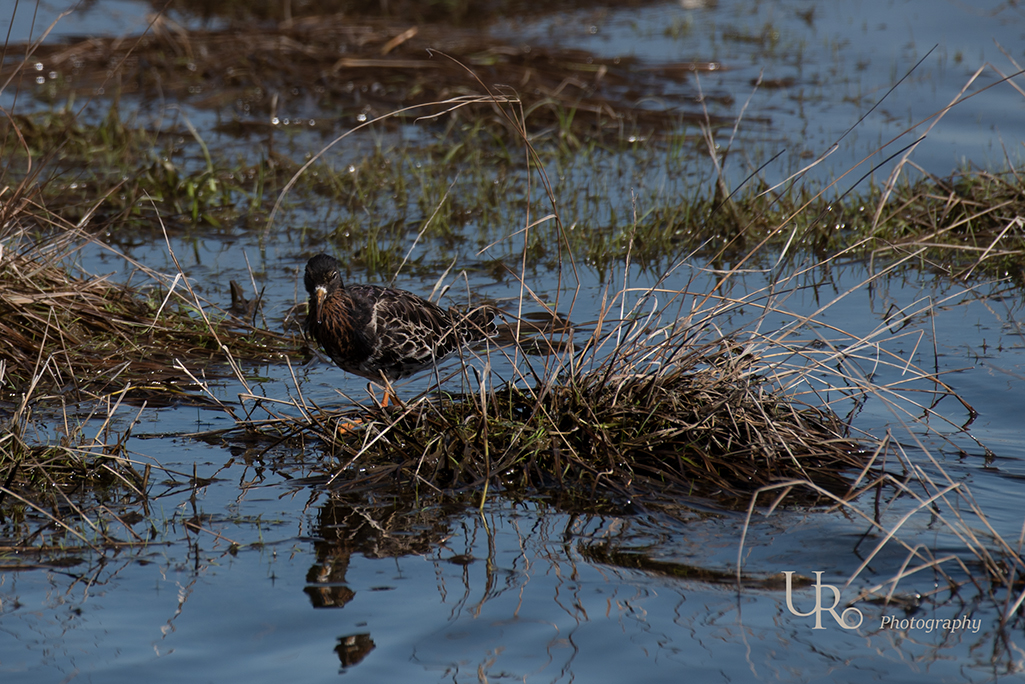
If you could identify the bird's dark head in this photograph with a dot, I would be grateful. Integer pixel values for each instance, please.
(323, 276)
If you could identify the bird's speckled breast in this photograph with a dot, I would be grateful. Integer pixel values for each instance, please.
(344, 331)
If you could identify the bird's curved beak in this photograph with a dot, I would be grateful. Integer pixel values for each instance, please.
(318, 300)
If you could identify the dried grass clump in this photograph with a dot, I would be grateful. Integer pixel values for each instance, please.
(635, 413)
(84, 337)
(697, 429)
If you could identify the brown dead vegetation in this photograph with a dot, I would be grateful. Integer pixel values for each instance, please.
(302, 68)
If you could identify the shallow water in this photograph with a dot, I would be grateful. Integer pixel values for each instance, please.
(509, 594)
(379, 590)
(824, 66)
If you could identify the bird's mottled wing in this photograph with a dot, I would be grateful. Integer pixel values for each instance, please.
(474, 324)
(409, 331)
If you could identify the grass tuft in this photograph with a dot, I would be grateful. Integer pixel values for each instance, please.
(698, 430)
(83, 336)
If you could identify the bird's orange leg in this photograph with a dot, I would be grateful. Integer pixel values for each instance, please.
(389, 394)
(350, 424)
(347, 425)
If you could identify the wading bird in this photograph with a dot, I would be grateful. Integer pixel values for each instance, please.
(380, 333)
